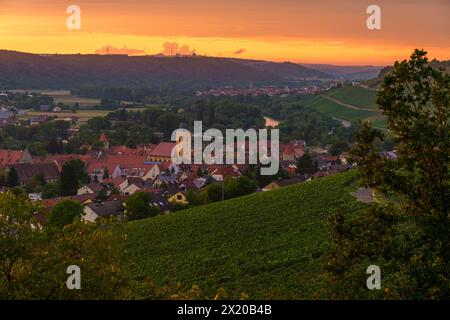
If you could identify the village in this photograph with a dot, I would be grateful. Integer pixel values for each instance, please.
(117, 172)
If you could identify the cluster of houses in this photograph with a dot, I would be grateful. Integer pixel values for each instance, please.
(7, 116)
(266, 90)
(118, 172)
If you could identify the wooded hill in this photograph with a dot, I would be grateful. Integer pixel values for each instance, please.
(31, 71)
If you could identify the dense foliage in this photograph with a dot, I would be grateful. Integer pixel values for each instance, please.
(33, 260)
(137, 206)
(407, 234)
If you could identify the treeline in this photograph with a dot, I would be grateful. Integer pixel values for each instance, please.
(131, 128)
(155, 94)
(39, 139)
(26, 100)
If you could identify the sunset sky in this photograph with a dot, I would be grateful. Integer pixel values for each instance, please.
(320, 31)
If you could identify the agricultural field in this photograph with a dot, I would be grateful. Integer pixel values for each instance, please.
(267, 245)
(333, 109)
(355, 95)
(65, 97)
(68, 99)
(82, 115)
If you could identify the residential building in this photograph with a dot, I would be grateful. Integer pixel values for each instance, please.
(8, 157)
(28, 171)
(104, 209)
(162, 152)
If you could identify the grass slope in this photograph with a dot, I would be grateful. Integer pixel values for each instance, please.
(268, 245)
(355, 95)
(334, 109)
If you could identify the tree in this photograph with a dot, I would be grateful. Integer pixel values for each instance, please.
(105, 173)
(80, 170)
(3, 178)
(40, 179)
(239, 187)
(306, 164)
(55, 147)
(69, 180)
(102, 195)
(51, 190)
(168, 122)
(138, 206)
(196, 198)
(337, 148)
(33, 261)
(64, 212)
(73, 175)
(13, 178)
(408, 233)
(214, 192)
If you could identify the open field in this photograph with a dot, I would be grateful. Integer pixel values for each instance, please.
(65, 97)
(83, 115)
(270, 243)
(355, 95)
(329, 104)
(334, 109)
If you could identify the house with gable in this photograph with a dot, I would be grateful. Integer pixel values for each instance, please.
(162, 152)
(97, 210)
(8, 157)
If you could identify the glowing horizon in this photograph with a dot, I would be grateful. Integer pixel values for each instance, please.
(327, 32)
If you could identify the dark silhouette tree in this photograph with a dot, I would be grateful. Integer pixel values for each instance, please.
(69, 183)
(12, 179)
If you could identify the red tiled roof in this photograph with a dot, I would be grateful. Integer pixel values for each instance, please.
(227, 171)
(287, 150)
(114, 181)
(10, 157)
(299, 152)
(50, 203)
(164, 149)
(111, 161)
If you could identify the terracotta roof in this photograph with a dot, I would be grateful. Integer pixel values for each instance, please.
(50, 203)
(115, 181)
(10, 157)
(287, 150)
(224, 170)
(62, 158)
(164, 149)
(111, 161)
(299, 152)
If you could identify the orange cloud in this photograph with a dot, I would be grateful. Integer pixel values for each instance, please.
(114, 50)
(173, 48)
(240, 51)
